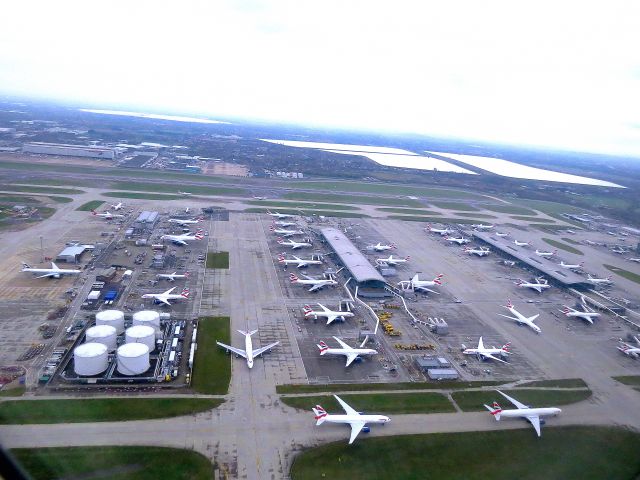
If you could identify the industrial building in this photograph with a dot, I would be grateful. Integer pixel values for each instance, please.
(92, 151)
(146, 220)
(71, 253)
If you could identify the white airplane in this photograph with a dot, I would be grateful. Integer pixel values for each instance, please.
(164, 297)
(542, 253)
(279, 215)
(182, 239)
(480, 251)
(106, 215)
(284, 232)
(172, 276)
(631, 259)
(316, 284)
(117, 206)
(331, 315)
(441, 231)
(294, 245)
(383, 262)
(459, 241)
(627, 349)
(483, 352)
(249, 353)
(416, 284)
(356, 420)
(186, 210)
(381, 248)
(184, 193)
(531, 414)
(285, 224)
(539, 285)
(53, 272)
(181, 221)
(481, 226)
(521, 244)
(502, 234)
(259, 198)
(346, 350)
(599, 281)
(586, 314)
(299, 262)
(521, 319)
(619, 250)
(571, 267)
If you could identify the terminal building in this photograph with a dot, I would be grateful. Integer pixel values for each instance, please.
(147, 220)
(92, 151)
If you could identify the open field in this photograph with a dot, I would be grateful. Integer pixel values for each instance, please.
(33, 189)
(99, 409)
(90, 205)
(217, 259)
(143, 196)
(512, 209)
(415, 218)
(387, 403)
(357, 199)
(58, 199)
(164, 188)
(560, 383)
(634, 277)
(629, 380)
(389, 189)
(474, 215)
(121, 463)
(212, 372)
(562, 246)
(370, 387)
(463, 207)
(407, 211)
(473, 401)
(532, 219)
(326, 213)
(586, 453)
(329, 206)
(553, 209)
(12, 392)
(571, 240)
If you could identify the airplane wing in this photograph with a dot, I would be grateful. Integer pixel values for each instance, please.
(169, 291)
(535, 421)
(163, 300)
(342, 344)
(316, 287)
(511, 318)
(356, 428)
(425, 289)
(347, 409)
(488, 355)
(306, 276)
(513, 400)
(296, 258)
(50, 274)
(181, 242)
(324, 309)
(237, 351)
(331, 318)
(261, 350)
(350, 358)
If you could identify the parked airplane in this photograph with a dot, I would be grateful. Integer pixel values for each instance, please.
(106, 215)
(259, 198)
(172, 276)
(599, 281)
(501, 234)
(164, 297)
(542, 253)
(279, 215)
(331, 315)
(117, 206)
(249, 353)
(184, 193)
(586, 314)
(480, 251)
(381, 248)
(521, 244)
(521, 319)
(480, 226)
(181, 221)
(459, 240)
(531, 414)
(186, 210)
(294, 245)
(441, 231)
(299, 262)
(631, 259)
(285, 233)
(356, 420)
(285, 224)
(627, 349)
(349, 352)
(383, 262)
(182, 239)
(316, 284)
(571, 267)
(421, 285)
(483, 352)
(619, 250)
(53, 272)
(539, 285)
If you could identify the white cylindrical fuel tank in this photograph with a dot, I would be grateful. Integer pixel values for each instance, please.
(133, 359)
(142, 334)
(150, 318)
(105, 334)
(115, 318)
(90, 359)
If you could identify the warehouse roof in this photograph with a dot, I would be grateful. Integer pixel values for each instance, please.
(72, 251)
(360, 268)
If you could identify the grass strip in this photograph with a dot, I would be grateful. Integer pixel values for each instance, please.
(634, 277)
(407, 211)
(218, 260)
(212, 365)
(90, 205)
(471, 401)
(571, 240)
(385, 189)
(511, 209)
(319, 213)
(532, 219)
(475, 215)
(628, 379)
(175, 188)
(562, 246)
(142, 196)
(463, 207)
(358, 199)
(558, 383)
(369, 387)
(415, 218)
(308, 205)
(33, 189)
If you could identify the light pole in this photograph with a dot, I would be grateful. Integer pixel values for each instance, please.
(41, 251)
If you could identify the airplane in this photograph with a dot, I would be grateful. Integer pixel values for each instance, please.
(619, 250)
(509, 263)
(53, 272)
(381, 248)
(316, 284)
(521, 319)
(531, 414)
(259, 198)
(285, 233)
(637, 260)
(346, 350)
(599, 281)
(172, 276)
(571, 267)
(181, 239)
(249, 353)
(117, 206)
(106, 215)
(521, 244)
(481, 251)
(186, 210)
(441, 231)
(292, 244)
(459, 241)
(279, 215)
(586, 314)
(502, 234)
(542, 253)
(539, 285)
(483, 352)
(331, 315)
(164, 297)
(383, 262)
(301, 263)
(184, 193)
(416, 284)
(627, 349)
(480, 226)
(180, 221)
(356, 420)
(285, 224)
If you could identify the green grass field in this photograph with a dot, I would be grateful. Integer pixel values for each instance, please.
(585, 453)
(571, 240)
(634, 277)
(212, 365)
(141, 196)
(463, 207)
(553, 209)
(548, 228)
(357, 199)
(58, 199)
(384, 188)
(90, 205)
(307, 205)
(12, 392)
(512, 209)
(33, 189)
(470, 401)
(560, 383)
(407, 211)
(387, 403)
(218, 260)
(475, 215)
(113, 463)
(325, 213)
(175, 188)
(415, 218)
(531, 219)
(629, 380)
(99, 409)
(562, 246)
(372, 387)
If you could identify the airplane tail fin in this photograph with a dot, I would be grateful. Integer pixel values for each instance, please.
(438, 279)
(93, 212)
(247, 333)
(280, 240)
(407, 258)
(307, 309)
(186, 274)
(185, 293)
(323, 347)
(509, 304)
(393, 245)
(495, 410)
(293, 277)
(581, 264)
(281, 258)
(566, 310)
(25, 265)
(199, 236)
(320, 414)
(507, 347)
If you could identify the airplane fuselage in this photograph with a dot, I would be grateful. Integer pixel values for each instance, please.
(248, 347)
(526, 412)
(331, 418)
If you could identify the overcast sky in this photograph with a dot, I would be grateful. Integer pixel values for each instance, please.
(555, 73)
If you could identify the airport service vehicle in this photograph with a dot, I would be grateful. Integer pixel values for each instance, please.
(586, 314)
(299, 262)
(538, 285)
(421, 285)
(279, 215)
(480, 226)
(441, 231)
(501, 234)
(391, 261)
(182, 239)
(542, 253)
(164, 297)
(521, 319)
(172, 276)
(293, 244)
(249, 353)
(284, 232)
(117, 206)
(532, 415)
(285, 224)
(577, 266)
(316, 283)
(349, 352)
(106, 215)
(521, 244)
(356, 420)
(630, 350)
(480, 251)
(330, 315)
(599, 281)
(181, 221)
(458, 240)
(482, 352)
(53, 272)
(379, 247)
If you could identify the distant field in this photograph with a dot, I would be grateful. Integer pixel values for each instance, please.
(116, 463)
(218, 260)
(585, 453)
(471, 401)
(370, 387)
(571, 240)
(554, 209)
(634, 277)
(512, 209)
(561, 383)
(415, 218)
(12, 392)
(358, 199)
(532, 219)
(141, 196)
(407, 211)
(474, 214)
(33, 189)
(463, 207)
(90, 205)
(546, 227)
(58, 199)
(176, 187)
(329, 206)
(325, 213)
(212, 365)
(629, 379)
(562, 246)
